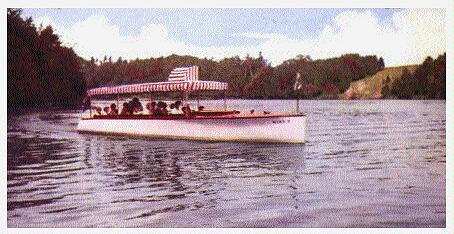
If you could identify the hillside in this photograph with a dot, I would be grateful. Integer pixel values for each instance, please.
(370, 87)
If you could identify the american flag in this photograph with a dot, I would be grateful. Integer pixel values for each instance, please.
(184, 74)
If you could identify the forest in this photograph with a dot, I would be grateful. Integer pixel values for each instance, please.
(248, 78)
(42, 73)
(427, 82)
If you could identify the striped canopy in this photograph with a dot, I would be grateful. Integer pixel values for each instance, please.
(171, 86)
(184, 74)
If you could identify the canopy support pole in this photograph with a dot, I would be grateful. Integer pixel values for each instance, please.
(185, 98)
(297, 103)
(118, 103)
(225, 99)
(182, 97)
(198, 99)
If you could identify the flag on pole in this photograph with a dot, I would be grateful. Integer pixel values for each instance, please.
(184, 74)
(298, 82)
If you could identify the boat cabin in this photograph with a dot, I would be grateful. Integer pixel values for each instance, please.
(181, 80)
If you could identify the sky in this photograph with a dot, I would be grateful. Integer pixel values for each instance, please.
(400, 36)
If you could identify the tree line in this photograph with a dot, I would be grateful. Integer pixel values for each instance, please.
(43, 73)
(251, 77)
(428, 81)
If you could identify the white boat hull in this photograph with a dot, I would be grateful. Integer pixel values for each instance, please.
(285, 129)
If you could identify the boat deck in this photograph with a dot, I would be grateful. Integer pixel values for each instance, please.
(209, 114)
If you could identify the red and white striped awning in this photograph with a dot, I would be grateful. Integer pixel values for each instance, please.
(172, 86)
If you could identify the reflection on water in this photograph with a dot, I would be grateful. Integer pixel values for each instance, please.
(366, 163)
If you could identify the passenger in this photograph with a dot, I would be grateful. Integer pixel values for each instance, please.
(131, 107)
(98, 110)
(136, 110)
(136, 106)
(107, 110)
(161, 108)
(148, 107)
(158, 108)
(125, 109)
(113, 109)
(178, 105)
(164, 109)
(151, 107)
(173, 110)
(201, 108)
(186, 110)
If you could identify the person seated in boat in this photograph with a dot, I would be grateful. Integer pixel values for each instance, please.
(136, 110)
(106, 110)
(161, 109)
(201, 108)
(151, 107)
(173, 110)
(98, 110)
(125, 109)
(178, 105)
(136, 106)
(131, 107)
(157, 110)
(113, 109)
(164, 109)
(186, 110)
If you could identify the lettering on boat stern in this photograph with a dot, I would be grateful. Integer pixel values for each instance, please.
(281, 121)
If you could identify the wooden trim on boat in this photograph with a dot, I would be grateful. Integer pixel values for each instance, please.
(192, 117)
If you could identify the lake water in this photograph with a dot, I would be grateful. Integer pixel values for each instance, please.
(365, 164)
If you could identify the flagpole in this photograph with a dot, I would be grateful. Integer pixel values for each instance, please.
(297, 102)
(297, 87)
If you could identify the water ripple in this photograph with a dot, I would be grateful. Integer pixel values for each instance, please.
(365, 164)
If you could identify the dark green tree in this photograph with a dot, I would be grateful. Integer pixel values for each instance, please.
(41, 72)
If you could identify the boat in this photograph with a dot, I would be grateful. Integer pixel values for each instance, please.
(199, 124)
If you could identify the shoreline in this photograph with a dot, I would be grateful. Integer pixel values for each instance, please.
(25, 111)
